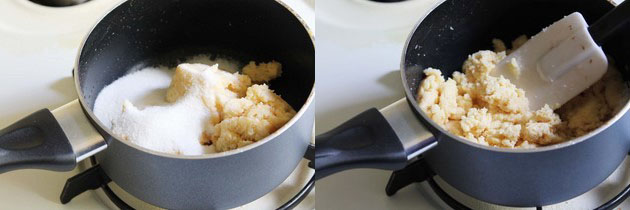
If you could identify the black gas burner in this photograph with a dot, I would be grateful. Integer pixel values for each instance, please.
(94, 178)
(419, 171)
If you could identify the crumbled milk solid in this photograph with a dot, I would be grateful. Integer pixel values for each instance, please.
(263, 72)
(249, 119)
(492, 111)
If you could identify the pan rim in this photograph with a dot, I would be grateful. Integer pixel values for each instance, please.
(270, 137)
(429, 122)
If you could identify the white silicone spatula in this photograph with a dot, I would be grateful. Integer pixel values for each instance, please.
(562, 60)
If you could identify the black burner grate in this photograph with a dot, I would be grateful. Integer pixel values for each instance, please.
(419, 171)
(95, 178)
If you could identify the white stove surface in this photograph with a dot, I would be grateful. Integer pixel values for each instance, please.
(358, 68)
(38, 46)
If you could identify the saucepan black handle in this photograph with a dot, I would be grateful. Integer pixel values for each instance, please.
(610, 23)
(365, 141)
(36, 141)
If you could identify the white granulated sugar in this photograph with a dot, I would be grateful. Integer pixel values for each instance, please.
(174, 128)
(145, 87)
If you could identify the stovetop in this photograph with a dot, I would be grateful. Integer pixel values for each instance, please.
(360, 65)
(38, 46)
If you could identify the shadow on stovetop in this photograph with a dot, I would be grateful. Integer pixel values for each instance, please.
(66, 91)
(39, 183)
(65, 87)
(610, 189)
(392, 80)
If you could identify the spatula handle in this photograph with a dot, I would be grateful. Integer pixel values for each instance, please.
(610, 22)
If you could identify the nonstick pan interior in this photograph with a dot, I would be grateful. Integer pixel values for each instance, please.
(163, 32)
(458, 28)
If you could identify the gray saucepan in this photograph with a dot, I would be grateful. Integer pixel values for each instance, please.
(389, 138)
(148, 33)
